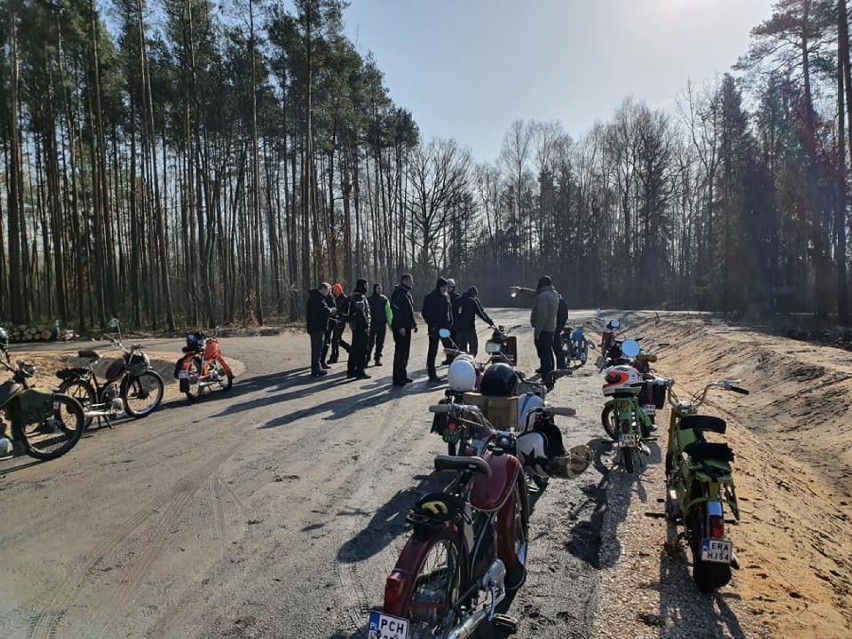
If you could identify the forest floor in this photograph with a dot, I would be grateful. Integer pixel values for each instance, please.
(274, 510)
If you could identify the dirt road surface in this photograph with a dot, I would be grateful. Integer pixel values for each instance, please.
(277, 510)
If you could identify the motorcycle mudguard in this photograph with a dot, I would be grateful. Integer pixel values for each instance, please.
(225, 366)
(490, 493)
(8, 390)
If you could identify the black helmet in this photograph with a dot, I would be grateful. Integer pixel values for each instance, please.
(4, 338)
(499, 380)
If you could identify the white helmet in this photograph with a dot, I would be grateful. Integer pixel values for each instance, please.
(462, 375)
(622, 379)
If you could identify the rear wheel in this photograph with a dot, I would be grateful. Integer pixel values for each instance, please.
(708, 575)
(84, 393)
(516, 573)
(609, 419)
(195, 389)
(437, 586)
(143, 394)
(58, 430)
(627, 458)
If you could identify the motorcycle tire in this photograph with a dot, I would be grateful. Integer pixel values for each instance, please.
(142, 387)
(707, 575)
(71, 424)
(84, 393)
(226, 382)
(627, 459)
(609, 419)
(195, 391)
(516, 574)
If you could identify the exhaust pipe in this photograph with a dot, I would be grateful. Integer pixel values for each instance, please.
(492, 581)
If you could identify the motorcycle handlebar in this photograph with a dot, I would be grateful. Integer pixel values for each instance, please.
(565, 411)
(740, 390)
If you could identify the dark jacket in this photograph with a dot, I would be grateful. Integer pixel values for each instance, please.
(332, 304)
(318, 312)
(378, 313)
(342, 303)
(455, 303)
(437, 310)
(561, 314)
(402, 305)
(466, 311)
(359, 313)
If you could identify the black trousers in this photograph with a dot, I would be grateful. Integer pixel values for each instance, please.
(357, 353)
(557, 350)
(401, 350)
(544, 346)
(337, 341)
(317, 339)
(326, 344)
(377, 339)
(434, 340)
(468, 340)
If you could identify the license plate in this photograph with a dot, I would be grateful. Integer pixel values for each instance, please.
(183, 374)
(629, 440)
(56, 405)
(716, 551)
(384, 626)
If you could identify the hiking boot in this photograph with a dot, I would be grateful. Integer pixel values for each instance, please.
(364, 376)
(378, 362)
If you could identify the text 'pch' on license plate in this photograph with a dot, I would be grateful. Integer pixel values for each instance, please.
(384, 626)
(716, 550)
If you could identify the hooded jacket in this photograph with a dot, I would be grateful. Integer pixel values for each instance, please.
(318, 312)
(467, 309)
(545, 307)
(402, 305)
(437, 310)
(380, 308)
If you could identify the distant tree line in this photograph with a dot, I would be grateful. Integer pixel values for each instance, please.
(171, 167)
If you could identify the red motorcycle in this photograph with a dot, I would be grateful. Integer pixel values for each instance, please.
(468, 548)
(203, 366)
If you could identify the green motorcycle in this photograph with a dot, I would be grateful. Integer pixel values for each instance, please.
(44, 424)
(700, 486)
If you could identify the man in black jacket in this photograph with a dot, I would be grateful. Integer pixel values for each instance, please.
(317, 316)
(359, 318)
(561, 320)
(337, 341)
(402, 305)
(381, 317)
(464, 320)
(437, 313)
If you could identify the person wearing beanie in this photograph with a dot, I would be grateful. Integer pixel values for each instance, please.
(402, 325)
(381, 317)
(359, 319)
(543, 320)
(317, 317)
(437, 313)
(464, 320)
(337, 341)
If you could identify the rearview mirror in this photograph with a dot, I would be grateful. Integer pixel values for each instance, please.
(614, 324)
(443, 333)
(630, 348)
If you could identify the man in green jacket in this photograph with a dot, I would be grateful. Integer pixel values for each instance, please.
(380, 309)
(543, 320)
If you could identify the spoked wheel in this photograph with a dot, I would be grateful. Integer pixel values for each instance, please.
(436, 588)
(517, 573)
(143, 394)
(85, 395)
(609, 419)
(225, 382)
(58, 430)
(627, 455)
(195, 389)
(708, 575)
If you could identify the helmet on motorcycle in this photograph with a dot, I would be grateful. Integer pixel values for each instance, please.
(462, 375)
(499, 380)
(622, 379)
(4, 338)
(194, 341)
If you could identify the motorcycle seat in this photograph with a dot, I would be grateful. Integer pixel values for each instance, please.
(89, 354)
(704, 423)
(704, 451)
(72, 373)
(646, 357)
(462, 463)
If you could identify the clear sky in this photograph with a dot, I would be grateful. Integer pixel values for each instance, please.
(468, 68)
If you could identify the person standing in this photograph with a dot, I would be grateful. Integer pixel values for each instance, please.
(402, 306)
(337, 341)
(543, 320)
(381, 317)
(328, 336)
(437, 313)
(359, 317)
(317, 317)
(455, 300)
(561, 320)
(464, 320)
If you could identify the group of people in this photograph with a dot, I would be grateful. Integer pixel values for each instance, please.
(330, 310)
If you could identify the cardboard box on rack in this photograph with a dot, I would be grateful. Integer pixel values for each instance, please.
(502, 412)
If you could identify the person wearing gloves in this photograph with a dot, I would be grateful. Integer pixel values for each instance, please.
(402, 325)
(464, 320)
(359, 318)
(543, 320)
(317, 318)
(437, 313)
(381, 316)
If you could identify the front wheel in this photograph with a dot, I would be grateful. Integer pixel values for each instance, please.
(142, 394)
(627, 458)
(84, 393)
(609, 419)
(57, 432)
